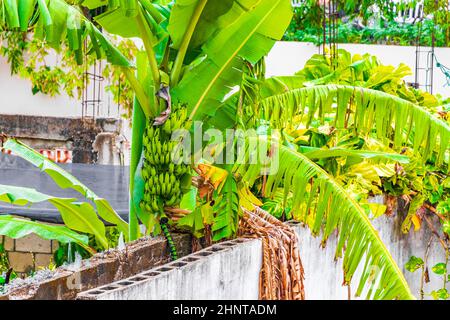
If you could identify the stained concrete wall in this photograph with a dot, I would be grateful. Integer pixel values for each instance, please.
(222, 272)
(324, 275)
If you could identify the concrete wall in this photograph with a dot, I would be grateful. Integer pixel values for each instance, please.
(227, 271)
(324, 276)
(286, 58)
(232, 272)
(88, 141)
(103, 268)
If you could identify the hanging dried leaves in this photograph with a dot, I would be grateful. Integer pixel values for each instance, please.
(282, 273)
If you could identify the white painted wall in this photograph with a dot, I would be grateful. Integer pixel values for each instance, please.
(233, 272)
(286, 58)
(324, 276)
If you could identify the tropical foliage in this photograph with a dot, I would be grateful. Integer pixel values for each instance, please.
(373, 22)
(82, 217)
(363, 161)
(203, 60)
(383, 33)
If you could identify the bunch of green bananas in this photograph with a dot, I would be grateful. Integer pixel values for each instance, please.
(165, 180)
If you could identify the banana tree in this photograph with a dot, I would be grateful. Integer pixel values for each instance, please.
(194, 51)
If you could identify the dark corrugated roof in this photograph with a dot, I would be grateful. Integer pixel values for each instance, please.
(109, 182)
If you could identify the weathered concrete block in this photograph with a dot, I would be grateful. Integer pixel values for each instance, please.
(9, 244)
(33, 243)
(229, 270)
(42, 260)
(55, 245)
(21, 261)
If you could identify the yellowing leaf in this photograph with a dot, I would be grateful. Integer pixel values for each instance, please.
(216, 176)
(417, 222)
(247, 199)
(377, 209)
(385, 170)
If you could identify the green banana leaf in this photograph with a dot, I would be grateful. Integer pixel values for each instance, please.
(65, 180)
(216, 14)
(55, 21)
(93, 4)
(210, 77)
(225, 115)
(120, 19)
(317, 153)
(226, 219)
(15, 228)
(388, 117)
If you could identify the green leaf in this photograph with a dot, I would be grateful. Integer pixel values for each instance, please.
(322, 203)
(413, 264)
(193, 222)
(81, 217)
(92, 4)
(65, 180)
(25, 11)
(440, 268)
(374, 112)
(441, 294)
(316, 153)
(116, 22)
(189, 200)
(21, 196)
(16, 228)
(226, 207)
(446, 183)
(446, 227)
(251, 35)
(136, 183)
(120, 19)
(216, 14)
